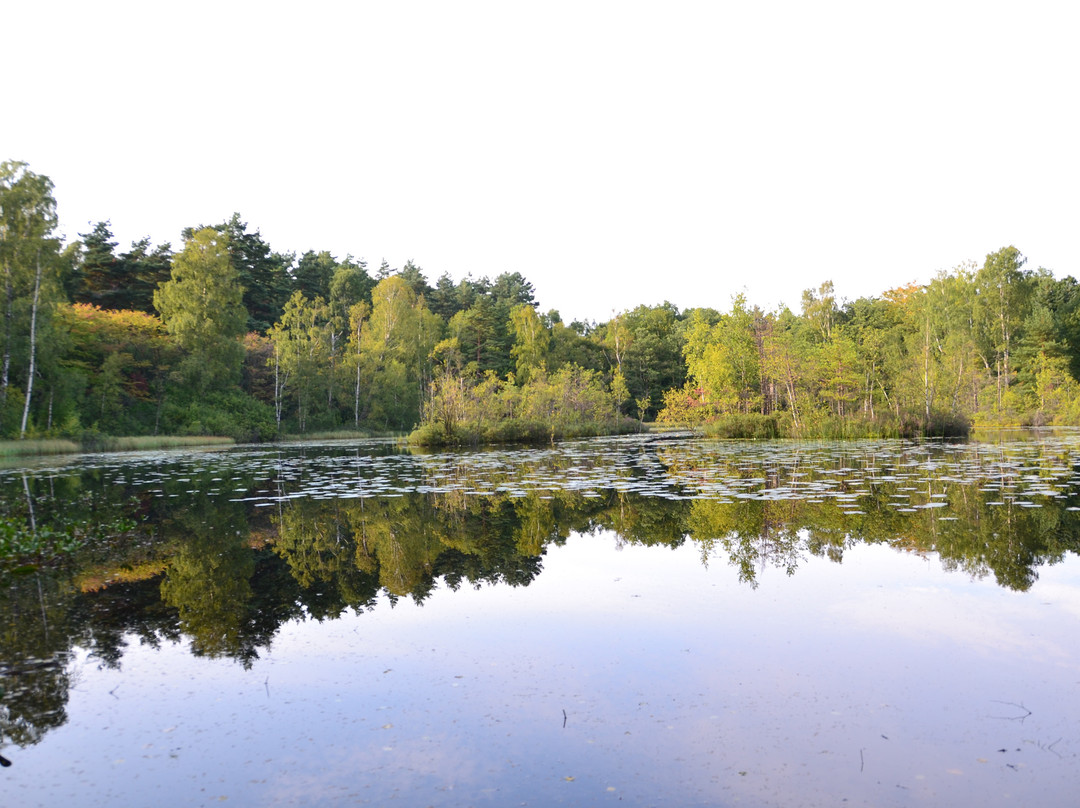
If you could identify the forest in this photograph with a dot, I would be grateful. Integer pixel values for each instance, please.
(225, 336)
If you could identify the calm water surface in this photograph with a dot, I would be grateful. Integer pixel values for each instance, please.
(636, 621)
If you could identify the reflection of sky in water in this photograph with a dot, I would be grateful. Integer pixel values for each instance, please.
(879, 681)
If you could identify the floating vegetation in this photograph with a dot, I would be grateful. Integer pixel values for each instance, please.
(918, 494)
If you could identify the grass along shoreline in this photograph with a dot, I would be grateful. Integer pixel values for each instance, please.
(740, 427)
(781, 426)
(43, 447)
(106, 443)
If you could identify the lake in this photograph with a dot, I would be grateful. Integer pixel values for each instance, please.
(654, 620)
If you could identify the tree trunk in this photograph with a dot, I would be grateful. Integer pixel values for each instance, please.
(33, 348)
(277, 390)
(333, 376)
(356, 394)
(356, 399)
(9, 316)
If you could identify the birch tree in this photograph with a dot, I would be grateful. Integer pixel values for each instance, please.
(202, 308)
(28, 260)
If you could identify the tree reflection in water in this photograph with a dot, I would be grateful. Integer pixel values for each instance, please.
(199, 560)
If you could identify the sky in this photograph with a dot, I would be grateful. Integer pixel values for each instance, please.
(613, 153)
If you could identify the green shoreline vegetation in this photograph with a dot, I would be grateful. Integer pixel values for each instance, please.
(226, 337)
(107, 443)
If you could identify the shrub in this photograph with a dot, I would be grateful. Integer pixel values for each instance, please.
(234, 414)
(747, 426)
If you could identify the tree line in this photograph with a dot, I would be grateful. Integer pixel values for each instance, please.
(990, 344)
(228, 336)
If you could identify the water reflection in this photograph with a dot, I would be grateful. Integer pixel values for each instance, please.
(222, 549)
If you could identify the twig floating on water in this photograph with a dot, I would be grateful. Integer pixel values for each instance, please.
(1027, 712)
(1048, 747)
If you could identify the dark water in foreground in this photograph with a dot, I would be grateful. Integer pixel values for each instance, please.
(645, 622)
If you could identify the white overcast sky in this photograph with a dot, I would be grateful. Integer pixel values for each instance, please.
(614, 153)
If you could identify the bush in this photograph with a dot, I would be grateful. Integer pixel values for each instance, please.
(516, 430)
(571, 402)
(235, 415)
(947, 425)
(748, 426)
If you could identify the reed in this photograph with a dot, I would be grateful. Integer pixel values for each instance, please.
(28, 448)
(330, 434)
(143, 443)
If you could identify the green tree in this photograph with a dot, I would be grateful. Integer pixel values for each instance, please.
(123, 396)
(29, 264)
(838, 379)
(531, 340)
(1003, 292)
(653, 360)
(482, 319)
(262, 274)
(304, 356)
(351, 284)
(477, 331)
(354, 360)
(122, 282)
(444, 299)
(1044, 352)
(819, 309)
(786, 362)
(394, 349)
(202, 308)
(875, 326)
(100, 272)
(570, 345)
(313, 274)
(414, 276)
(146, 268)
(723, 359)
